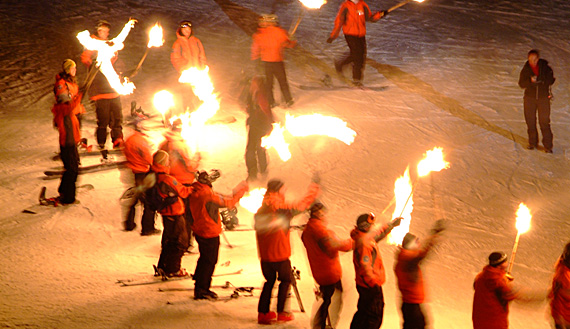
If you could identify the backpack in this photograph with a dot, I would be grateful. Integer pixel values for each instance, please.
(157, 202)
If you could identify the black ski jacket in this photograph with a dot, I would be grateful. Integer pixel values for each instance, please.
(540, 88)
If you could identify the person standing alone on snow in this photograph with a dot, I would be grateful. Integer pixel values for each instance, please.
(560, 292)
(65, 111)
(272, 224)
(108, 107)
(269, 43)
(536, 77)
(410, 277)
(322, 250)
(352, 17)
(369, 269)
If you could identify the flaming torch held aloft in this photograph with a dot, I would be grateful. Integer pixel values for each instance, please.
(155, 39)
(522, 225)
(405, 2)
(311, 4)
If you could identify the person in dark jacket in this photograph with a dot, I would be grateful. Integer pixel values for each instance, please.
(322, 250)
(207, 227)
(272, 223)
(259, 122)
(352, 17)
(65, 111)
(174, 237)
(369, 269)
(410, 277)
(536, 77)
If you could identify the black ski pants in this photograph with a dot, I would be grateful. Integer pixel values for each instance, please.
(370, 308)
(532, 106)
(357, 56)
(209, 249)
(255, 154)
(274, 271)
(189, 220)
(148, 216)
(413, 316)
(327, 292)
(174, 242)
(70, 158)
(109, 114)
(277, 70)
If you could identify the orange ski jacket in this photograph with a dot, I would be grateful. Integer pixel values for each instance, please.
(352, 19)
(187, 52)
(493, 292)
(137, 150)
(269, 44)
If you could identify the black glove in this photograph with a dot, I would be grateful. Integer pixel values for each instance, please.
(330, 40)
(438, 227)
(396, 221)
(316, 178)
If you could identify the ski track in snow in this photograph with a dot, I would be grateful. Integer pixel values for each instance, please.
(451, 68)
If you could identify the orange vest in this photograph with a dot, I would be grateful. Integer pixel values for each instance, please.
(269, 44)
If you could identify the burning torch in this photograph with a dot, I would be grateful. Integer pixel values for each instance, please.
(405, 2)
(311, 4)
(163, 101)
(155, 39)
(522, 225)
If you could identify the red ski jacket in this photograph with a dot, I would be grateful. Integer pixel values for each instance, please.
(322, 250)
(367, 260)
(269, 44)
(137, 150)
(187, 53)
(560, 294)
(205, 205)
(182, 166)
(272, 223)
(352, 18)
(493, 292)
(64, 112)
(168, 184)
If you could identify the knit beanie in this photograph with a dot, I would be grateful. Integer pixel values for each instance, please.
(160, 158)
(317, 205)
(409, 238)
(364, 221)
(67, 65)
(274, 185)
(497, 258)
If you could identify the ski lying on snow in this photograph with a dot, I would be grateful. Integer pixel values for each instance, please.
(323, 87)
(51, 202)
(160, 279)
(90, 153)
(89, 169)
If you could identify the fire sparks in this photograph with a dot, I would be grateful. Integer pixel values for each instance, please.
(404, 206)
(105, 52)
(253, 200)
(155, 36)
(433, 161)
(318, 124)
(277, 140)
(523, 219)
(315, 4)
(204, 89)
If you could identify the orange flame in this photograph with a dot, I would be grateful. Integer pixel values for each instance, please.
(105, 52)
(315, 4)
(252, 200)
(318, 124)
(433, 161)
(523, 219)
(163, 100)
(155, 38)
(204, 89)
(277, 140)
(402, 191)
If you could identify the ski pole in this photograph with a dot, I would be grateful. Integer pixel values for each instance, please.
(226, 239)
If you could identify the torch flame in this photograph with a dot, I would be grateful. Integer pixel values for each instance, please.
(105, 52)
(277, 141)
(403, 191)
(204, 89)
(318, 124)
(523, 219)
(419, 0)
(433, 161)
(155, 36)
(163, 100)
(314, 4)
(252, 200)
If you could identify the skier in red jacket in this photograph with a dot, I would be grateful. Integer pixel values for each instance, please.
(352, 17)
(272, 223)
(322, 250)
(370, 273)
(560, 292)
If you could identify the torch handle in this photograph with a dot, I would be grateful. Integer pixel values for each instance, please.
(405, 2)
(513, 254)
(93, 70)
(140, 64)
(293, 28)
(409, 197)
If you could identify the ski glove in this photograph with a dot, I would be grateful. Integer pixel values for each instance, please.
(396, 222)
(330, 40)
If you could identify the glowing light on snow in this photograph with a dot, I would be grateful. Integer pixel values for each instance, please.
(252, 201)
(523, 219)
(318, 124)
(404, 206)
(155, 38)
(277, 141)
(163, 101)
(314, 4)
(433, 161)
(204, 89)
(105, 52)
